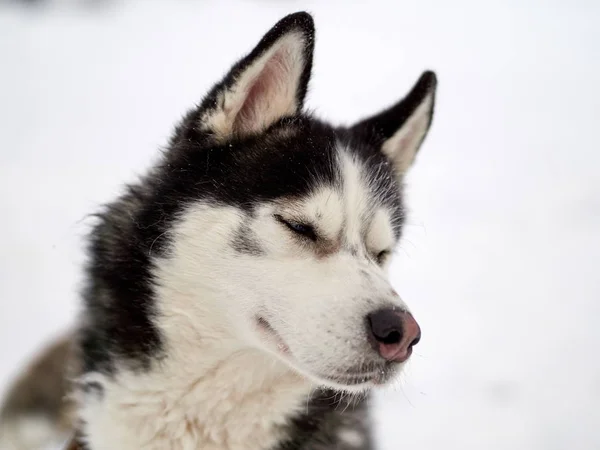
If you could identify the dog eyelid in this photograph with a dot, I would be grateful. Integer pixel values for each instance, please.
(381, 256)
(300, 228)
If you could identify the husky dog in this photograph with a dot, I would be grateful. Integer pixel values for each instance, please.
(238, 291)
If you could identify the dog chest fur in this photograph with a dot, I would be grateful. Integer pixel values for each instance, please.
(241, 403)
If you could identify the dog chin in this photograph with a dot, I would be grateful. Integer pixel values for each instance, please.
(354, 382)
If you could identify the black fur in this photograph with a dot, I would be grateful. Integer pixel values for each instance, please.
(326, 414)
(287, 160)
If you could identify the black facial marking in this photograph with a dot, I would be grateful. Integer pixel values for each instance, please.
(246, 243)
(381, 257)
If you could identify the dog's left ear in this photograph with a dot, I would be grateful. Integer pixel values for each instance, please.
(401, 129)
(268, 84)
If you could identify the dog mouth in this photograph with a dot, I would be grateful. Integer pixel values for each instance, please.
(367, 375)
(271, 335)
(370, 378)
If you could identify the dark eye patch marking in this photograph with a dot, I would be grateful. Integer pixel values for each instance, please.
(382, 256)
(93, 388)
(245, 242)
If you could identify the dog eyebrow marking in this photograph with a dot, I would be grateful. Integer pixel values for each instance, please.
(380, 232)
(245, 242)
(323, 209)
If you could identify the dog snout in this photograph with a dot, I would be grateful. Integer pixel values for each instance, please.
(393, 333)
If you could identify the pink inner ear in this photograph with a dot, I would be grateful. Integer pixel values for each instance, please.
(268, 97)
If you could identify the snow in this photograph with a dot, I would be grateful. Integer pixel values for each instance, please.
(501, 253)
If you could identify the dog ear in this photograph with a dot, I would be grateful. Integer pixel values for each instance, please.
(401, 129)
(268, 84)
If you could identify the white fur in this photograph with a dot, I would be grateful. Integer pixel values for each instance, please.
(380, 236)
(29, 433)
(402, 147)
(224, 383)
(237, 404)
(351, 437)
(357, 206)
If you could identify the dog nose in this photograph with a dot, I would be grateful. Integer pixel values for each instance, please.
(393, 333)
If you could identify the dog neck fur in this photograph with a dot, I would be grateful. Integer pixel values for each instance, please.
(242, 402)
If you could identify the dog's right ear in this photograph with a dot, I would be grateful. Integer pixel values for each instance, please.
(268, 84)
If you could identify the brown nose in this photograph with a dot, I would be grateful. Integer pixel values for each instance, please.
(393, 333)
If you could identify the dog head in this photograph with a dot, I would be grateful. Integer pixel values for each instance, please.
(282, 226)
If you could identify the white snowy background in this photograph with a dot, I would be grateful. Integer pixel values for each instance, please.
(502, 252)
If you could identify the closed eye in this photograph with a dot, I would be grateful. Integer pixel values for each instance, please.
(382, 256)
(301, 229)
